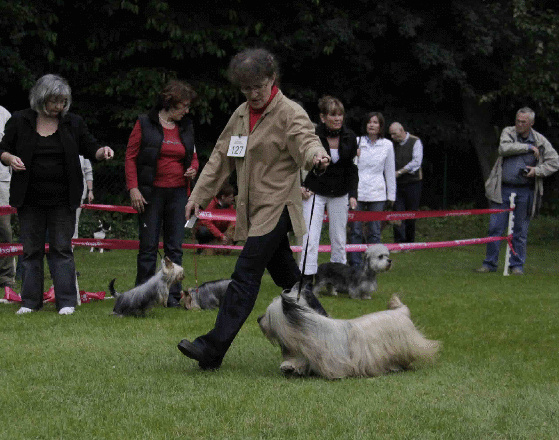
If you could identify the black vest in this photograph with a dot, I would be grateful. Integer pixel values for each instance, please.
(403, 154)
(150, 148)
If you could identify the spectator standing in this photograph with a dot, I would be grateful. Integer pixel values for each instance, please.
(160, 162)
(377, 180)
(42, 145)
(525, 158)
(334, 190)
(267, 140)
(408, 151)
(6, 263)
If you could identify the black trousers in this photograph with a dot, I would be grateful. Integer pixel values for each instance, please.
(408, 197)
(60, 222)
(270, 251)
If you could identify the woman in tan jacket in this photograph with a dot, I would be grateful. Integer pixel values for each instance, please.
(267, 140)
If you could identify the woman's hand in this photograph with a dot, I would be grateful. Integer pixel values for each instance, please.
(321, 161)
(104, 153)
(190, 173)
(90, 196)
(137, 200)
(353, 203)
(189, 207)
(13, 161)
(306, 193)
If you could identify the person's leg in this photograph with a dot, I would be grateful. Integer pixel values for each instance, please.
(523, 208)
(61, 221)
(314, 231)
(173, 233)
(33, 227)
(399, 205)
(356, 237)
(337, 215)
(412, 199)
(374, 228)
(6, 263)
(243, 289)
(149, 223)
(497, 227)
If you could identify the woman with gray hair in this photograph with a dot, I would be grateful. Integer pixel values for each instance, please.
(267, 140)
(42, 144)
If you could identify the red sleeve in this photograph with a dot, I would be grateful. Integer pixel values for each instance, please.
(209, 224)
(132, 150)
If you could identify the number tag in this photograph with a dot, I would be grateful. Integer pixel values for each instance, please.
(237, 146)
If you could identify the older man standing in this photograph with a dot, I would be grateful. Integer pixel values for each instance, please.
(525, 157)
(408, 152)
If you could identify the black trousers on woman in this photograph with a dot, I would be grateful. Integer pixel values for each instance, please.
(60, 222)
(271, 251)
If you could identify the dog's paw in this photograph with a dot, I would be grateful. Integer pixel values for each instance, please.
(293, 367)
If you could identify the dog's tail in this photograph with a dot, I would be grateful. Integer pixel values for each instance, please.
(114, 293)
(395, 302)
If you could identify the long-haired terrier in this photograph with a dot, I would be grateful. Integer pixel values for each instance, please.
(358, 282)
(141, 298)
(371, 345)
(207, 296)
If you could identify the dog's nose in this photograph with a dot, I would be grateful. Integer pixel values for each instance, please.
(259, 319)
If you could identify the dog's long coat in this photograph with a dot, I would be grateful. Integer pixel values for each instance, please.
(370, 345)
(138, 300)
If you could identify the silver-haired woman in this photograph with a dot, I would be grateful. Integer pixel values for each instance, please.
(42, 144)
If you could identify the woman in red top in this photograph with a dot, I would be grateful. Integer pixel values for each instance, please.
(160, 162)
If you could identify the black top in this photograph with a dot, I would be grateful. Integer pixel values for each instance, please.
(341, 177)
(21, 139)
(48, 181)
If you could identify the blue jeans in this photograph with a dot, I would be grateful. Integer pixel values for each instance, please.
(356, 231)
(165, 210)
(34, 223)
(498, 224)
(408, 197)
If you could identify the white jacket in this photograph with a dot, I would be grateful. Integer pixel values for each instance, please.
(377, 170)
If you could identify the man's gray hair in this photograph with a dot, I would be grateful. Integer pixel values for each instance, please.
(47, 87)
(527, 111)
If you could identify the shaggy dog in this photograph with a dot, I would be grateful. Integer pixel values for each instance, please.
(360, 281)
(155, 290)
(208, 296)
(367, 346)
(100, 233)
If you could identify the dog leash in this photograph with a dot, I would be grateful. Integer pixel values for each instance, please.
(307, 245)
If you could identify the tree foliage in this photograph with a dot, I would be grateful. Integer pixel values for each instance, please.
(452, 72)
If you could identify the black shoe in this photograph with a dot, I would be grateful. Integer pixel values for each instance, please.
(194, 352)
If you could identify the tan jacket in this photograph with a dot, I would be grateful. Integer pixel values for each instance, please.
(548, 163)
(282, 142)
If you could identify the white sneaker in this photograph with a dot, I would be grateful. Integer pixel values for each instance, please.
(66, 311)
(23, 310)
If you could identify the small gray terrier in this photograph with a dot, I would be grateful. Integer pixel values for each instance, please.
(207, 296)
(358, 282)
(137, 301)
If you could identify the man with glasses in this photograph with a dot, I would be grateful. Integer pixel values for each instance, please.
(525, 158)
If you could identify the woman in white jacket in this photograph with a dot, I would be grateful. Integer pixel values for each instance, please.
(377, 180)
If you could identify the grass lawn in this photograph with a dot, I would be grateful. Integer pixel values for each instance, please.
(94, 376)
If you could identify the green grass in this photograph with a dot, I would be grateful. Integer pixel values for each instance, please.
(93, 376)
